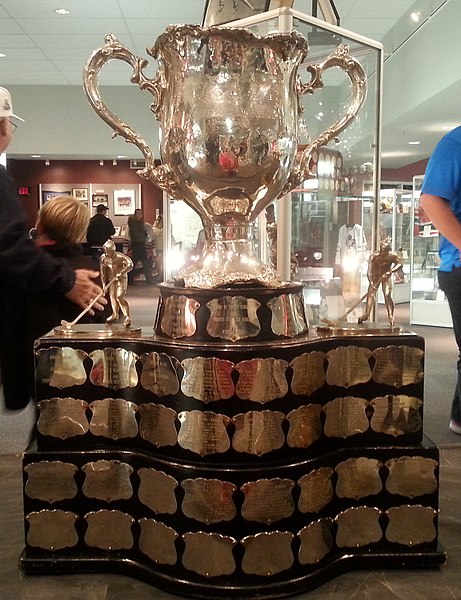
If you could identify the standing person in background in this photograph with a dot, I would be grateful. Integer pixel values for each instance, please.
(158, 240)
(138, 240)
(100, 229)
(26, 271)
(441, 201)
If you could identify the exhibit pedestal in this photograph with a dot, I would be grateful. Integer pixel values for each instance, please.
(232, 453)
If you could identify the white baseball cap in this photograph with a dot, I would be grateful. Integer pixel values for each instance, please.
(6, 106)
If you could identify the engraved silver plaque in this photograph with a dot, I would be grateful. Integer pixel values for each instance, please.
(203, 432)
(358, 526)
(62, 417)
(158, 374)
(157, 424)
(209, 554)
(52, 529)
(358, 478)
(316, 490)
(233, 318)
(267, 554)
(258, 432)
(262, 379)
(107, 480)
(345, 417)
(411, 525)
(268, 500)
(308, 373)
(50, 481)
(157, 491)
(316, 541)
(287, 315)
(208, 500)
(396, 415)
(109, 530)
(60, 367)
(157, 541)
(411, 476)
(398, 365)
(305, 426)
(207, 379)
(348, 366)
(178, 319)
(114, 368)
(114, 418)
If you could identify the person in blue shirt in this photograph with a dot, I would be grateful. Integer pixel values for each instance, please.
(441, 201)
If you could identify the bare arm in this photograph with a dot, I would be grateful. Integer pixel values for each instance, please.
(443, 218)
(85, 289)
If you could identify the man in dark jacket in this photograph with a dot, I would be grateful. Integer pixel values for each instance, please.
(100, 228)
(138, 241)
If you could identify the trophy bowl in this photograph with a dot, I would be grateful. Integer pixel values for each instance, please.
(228, 104)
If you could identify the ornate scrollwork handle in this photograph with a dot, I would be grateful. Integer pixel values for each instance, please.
(114, 50)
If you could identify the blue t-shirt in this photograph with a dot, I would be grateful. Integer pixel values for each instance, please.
(443, 178)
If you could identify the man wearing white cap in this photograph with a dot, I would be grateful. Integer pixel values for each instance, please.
(25, 269)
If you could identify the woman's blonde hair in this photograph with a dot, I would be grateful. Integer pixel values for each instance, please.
(64, 219)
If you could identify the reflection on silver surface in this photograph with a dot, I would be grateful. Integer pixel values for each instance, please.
(308, 373)
(209, 554)
(345, 417)
(52, 529)
(261, 379)
(305, 426)
(157, 491)
(258, 432)
(316, 490)
(156, 541)
(348, 366)
(358, 478)
(396, 415)
(358, 526)
(207, 379)
(109, 530)
(50, 481)
(398, 365)
(107, 480)
(268, 500)
(288, 317)
(114, 368)
(316, 541)
(233, 318)
(157, 424)
(411, 476)
(62, 417)
(60, 367)
(208, 500)
(267, 554)
(158, 373)
(203, 432)
(114, 418)
(411, 525)
(178, 319)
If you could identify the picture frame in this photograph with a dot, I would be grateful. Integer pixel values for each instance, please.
(124, 202)
(218, 12)
(48, 194)
(99, 199)
(80, 194)
(118, 231)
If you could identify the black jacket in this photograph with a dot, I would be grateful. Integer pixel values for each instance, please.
(100, 229)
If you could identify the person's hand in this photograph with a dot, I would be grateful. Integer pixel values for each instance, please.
(85, 290)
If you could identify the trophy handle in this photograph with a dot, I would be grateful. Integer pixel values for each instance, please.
(113, 50)
(354, 70)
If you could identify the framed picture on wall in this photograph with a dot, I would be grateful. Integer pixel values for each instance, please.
(99, 199)
(80, 193)
(124, 202)
(47, 194)
(223, 11)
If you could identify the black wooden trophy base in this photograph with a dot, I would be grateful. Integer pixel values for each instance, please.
(232, 454)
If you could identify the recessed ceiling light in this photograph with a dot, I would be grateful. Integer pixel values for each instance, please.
(35, 155)
(414, 143)
(62, 11)
(416, 16)
(2, 55)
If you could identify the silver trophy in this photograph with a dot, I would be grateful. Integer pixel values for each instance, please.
(228, 103)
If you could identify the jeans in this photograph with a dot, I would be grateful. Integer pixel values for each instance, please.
(450, 283)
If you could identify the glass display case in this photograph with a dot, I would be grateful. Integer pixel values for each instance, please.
(428, 305)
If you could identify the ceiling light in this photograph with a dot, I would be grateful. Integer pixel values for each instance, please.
(35, 155)
(414, 143)
(47, 163)
(62, 11)
(2, 55)
(416, 16)
(101, 162)
(114, 162)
